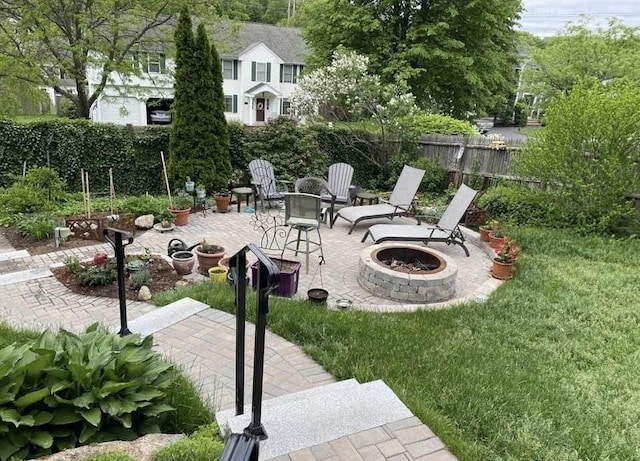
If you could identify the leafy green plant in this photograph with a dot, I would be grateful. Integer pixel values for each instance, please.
(98, 275)
(72, 263)
(587, 155)
(436, 176)
(63, 389)
(518, 205)
(203, 445)
(20, 198)
(425, 123)
(37, 226)
(139, 278)
(144, 204)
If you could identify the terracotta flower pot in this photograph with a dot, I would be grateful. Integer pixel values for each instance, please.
(502, 271)
(182, 216)
(222, 202)
(495, 242)
(208, 260)
(183, 262)
(484, 233)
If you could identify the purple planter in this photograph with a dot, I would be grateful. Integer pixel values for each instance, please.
(289, 276)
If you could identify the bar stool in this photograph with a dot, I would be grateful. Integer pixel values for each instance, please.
(303, 214)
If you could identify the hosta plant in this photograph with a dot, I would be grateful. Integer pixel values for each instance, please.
(62, 390)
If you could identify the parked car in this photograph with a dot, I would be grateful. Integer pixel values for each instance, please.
(484, 125)
(160, 116)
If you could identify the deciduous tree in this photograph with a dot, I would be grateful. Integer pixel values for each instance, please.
(456, 55)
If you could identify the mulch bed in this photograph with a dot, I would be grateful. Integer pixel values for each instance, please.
(38, 247)
(163, 278)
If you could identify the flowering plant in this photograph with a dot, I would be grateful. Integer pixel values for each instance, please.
(508, 252)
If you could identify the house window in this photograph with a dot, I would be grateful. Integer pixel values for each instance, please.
(289, 73)
(260, 71)
(230, 69)
(152, 63)
(231, 103)
(286, 107)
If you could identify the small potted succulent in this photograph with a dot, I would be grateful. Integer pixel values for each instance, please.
(209, 255)
(497, 237)
(166, 218)
(504, 260)
(222, 198)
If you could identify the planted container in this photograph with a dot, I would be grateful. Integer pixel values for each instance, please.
(183, 262)
(289, 276)
(218, 274)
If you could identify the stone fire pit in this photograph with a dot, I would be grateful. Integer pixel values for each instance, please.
(407, 273)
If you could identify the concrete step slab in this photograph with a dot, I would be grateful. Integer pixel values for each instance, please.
(325, 416)
(166, 316)
(13, 254)
(328, 391)
(23, 276)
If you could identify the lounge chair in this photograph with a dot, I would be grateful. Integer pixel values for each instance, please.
(399, 204)
(264, 182)
(446, 231)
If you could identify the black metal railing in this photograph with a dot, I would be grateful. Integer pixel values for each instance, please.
(116, 238)
(246, 446)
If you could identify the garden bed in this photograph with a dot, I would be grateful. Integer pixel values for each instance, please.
(163, 278)
(37, 246)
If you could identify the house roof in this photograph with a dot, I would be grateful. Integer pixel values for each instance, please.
(233, 39)
(260, 87)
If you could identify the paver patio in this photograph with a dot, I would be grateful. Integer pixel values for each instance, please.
(203, 344)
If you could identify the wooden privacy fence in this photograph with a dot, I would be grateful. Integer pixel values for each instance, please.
(474, 157)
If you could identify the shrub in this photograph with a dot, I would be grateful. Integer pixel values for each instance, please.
(37, 226)
(436, 176)
(144, 204)
(98, 275)
(588, 154)
(20, 198)
(425, 123)
(63, 389)
(520, 114)
(139, 278)
(72, 263)
(293, 151)
(202, 445)
(517, 205)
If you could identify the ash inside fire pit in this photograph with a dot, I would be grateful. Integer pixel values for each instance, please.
(409, 260)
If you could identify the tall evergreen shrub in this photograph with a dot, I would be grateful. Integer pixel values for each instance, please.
(199, 141)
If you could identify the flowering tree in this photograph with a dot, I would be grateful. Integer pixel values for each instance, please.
(346, 92)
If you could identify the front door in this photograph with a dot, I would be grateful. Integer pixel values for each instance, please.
(259, 109)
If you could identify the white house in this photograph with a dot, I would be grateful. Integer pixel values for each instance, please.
(260, 62)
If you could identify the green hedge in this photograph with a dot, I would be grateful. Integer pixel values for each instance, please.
(69, 145)
(134, 153)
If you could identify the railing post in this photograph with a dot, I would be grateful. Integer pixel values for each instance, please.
(118, 247)
(240, 282)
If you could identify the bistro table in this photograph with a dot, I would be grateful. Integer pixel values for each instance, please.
(244, 193)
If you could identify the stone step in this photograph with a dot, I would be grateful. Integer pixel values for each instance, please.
(331, 412)
(224, 416)
(23, 276)
(13, 254)
(166, 316)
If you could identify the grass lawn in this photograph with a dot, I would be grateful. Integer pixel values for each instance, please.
(530, 130)
(546, 369)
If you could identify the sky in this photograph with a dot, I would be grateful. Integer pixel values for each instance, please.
(549, 17)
